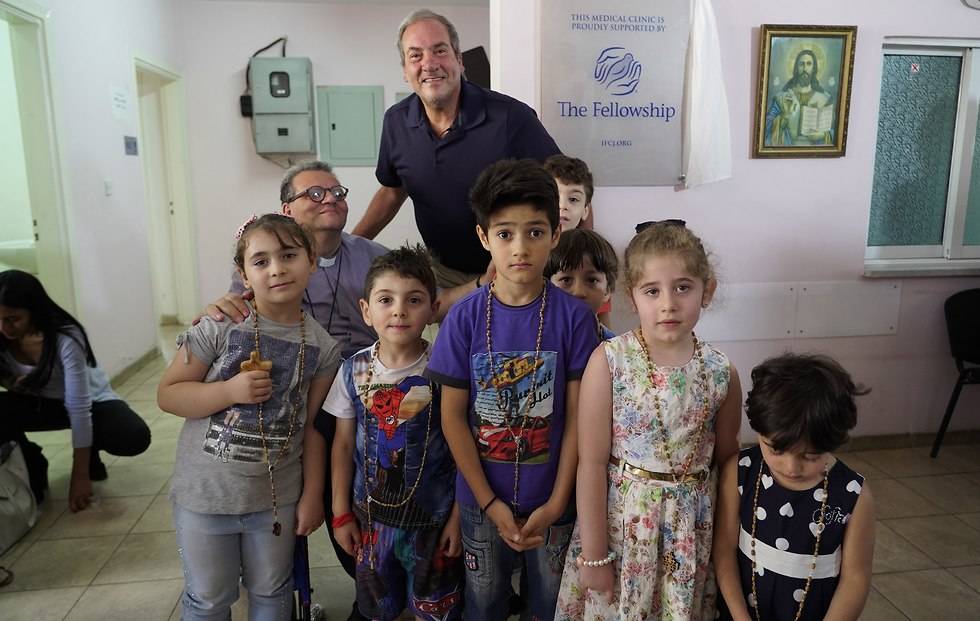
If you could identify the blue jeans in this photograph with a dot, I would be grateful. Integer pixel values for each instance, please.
(216, 549)
(489, 564)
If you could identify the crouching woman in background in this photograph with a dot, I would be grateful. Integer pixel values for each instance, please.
(52, 382)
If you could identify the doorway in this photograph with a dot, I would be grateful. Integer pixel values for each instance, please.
(161, 150)
(32, 222)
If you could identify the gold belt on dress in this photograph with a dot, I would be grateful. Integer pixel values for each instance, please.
(692, 477)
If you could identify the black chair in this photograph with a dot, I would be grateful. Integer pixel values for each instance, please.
(963, 325)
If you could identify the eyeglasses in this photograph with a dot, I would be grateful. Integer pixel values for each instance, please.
(318, 194)
(670, 222)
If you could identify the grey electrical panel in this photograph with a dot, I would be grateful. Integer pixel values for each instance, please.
(282, 105)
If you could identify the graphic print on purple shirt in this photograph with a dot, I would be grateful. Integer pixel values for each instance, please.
(503, 398)
(459, 360)
(233, 434)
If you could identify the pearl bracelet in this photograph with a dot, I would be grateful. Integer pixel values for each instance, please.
(599, 563)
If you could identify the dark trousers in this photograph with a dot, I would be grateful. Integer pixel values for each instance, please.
(116, 429)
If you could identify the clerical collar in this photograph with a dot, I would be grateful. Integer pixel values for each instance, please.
(330, 261)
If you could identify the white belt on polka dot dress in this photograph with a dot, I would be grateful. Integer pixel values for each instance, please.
(789, 564)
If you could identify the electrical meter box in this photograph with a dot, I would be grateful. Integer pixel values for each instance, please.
(282, 104)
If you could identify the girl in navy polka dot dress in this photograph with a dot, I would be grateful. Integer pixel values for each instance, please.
(794, 529)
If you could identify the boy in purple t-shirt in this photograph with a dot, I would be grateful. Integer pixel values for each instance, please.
(509, 357)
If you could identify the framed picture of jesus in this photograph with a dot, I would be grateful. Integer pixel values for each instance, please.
(804, 90)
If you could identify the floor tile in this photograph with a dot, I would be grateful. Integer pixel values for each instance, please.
(62, 562)
(58, 485)
(105, 516)
(50, 439)
(973, 519)
(158, 517)
(929, 595)
(969, 575)
(143, 556)
(321, 550)
(151, 372)
(949, 492)
(144, 392)
(51, 512)
(175, 614)
(146, 409)
(862, 466)
(38, 605)
(239, 610)
(126, 388)
(14, 552)
(59, 459)
(966, 453)
(894, 553)
(894, 499)
(166, 424)
(134, 480)
(333, 590)
(914, 462)
(146, 601)
(944, 538)
(880, 609)
(162, 451)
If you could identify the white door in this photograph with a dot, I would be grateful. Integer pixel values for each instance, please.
(17, 240)
(162, 151)
(159, 203)
(32, 224)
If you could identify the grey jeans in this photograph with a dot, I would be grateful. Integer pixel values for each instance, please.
(216, 549)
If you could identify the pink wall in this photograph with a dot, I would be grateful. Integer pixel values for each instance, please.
(796, 220)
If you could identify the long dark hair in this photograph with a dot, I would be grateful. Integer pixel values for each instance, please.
(21, 290)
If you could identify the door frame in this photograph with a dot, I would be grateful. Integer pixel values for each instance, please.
(45, 157)
(183, 238)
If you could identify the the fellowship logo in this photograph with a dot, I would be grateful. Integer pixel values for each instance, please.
(618, 71)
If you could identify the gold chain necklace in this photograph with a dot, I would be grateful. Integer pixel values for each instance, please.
(664, 437)
(532, 396)
(816, 545)
(669, 561)
(253, 363)
(363, 395)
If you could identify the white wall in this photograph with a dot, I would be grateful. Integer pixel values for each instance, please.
(348, 44)
(15, 207)
(795, 219)
(92, 46)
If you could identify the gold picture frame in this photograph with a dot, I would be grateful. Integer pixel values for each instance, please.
(804, 92)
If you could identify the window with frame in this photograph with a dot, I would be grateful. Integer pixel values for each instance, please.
(925, 197)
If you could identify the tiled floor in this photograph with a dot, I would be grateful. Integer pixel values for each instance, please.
(118, 560)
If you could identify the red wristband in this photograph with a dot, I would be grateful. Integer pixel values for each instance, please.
(341, 520)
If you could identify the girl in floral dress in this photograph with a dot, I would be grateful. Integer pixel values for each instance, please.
(658, 407)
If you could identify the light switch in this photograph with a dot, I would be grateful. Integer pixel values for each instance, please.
(107, 184)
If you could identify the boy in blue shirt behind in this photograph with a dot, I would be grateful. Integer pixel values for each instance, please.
(585, 265)
(509, 357)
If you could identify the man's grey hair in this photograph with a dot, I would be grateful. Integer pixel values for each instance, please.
(422, 15)
(286, 187)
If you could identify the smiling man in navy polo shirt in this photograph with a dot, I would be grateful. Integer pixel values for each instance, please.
(436, 142)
